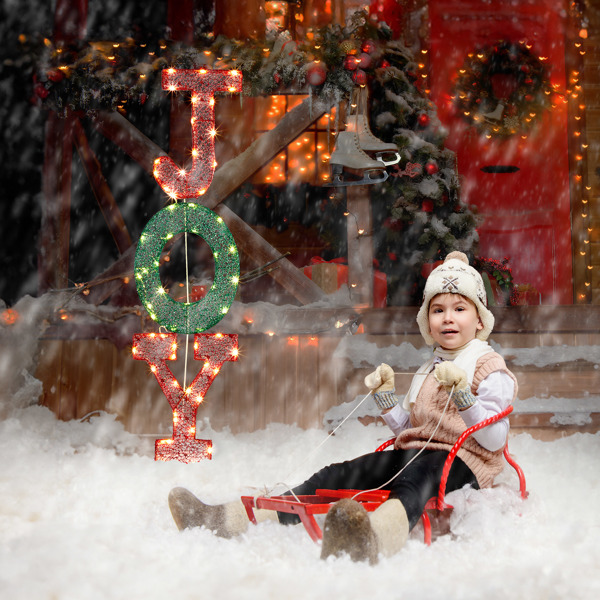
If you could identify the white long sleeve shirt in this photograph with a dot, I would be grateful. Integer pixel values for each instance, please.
(493, 396)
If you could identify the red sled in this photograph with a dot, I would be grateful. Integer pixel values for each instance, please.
(306, 507)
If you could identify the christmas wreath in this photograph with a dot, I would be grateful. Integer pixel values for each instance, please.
(502, 90)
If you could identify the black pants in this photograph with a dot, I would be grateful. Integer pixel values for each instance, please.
(417, 483)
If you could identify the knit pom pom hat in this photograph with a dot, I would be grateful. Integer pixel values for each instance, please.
(455, 276)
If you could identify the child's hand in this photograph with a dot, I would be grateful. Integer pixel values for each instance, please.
(380, 380)
(381, 383)
(450, 376)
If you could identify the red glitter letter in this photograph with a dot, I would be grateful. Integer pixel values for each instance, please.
(215, 349)
(173, 179)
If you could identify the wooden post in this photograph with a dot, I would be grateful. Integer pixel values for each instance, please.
(53, 256)
(70, 21)
(360, 246)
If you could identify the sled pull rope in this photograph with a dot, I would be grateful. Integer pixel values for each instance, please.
(323, 442)
(315, 450)
(416, 455)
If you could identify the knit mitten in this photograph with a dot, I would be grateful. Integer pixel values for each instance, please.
(449, 376)
(381, 383)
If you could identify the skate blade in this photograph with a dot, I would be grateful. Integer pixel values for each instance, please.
(380, 157)
(369, 177)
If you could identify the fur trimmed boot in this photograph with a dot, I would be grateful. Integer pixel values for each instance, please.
(225, 520)
(350, 529)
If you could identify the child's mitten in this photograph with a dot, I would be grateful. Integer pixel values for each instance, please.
(449, 375)
(381, 383)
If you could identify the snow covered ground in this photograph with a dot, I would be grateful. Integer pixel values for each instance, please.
(84, 515)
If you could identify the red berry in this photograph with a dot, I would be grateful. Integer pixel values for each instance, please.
(431, 167)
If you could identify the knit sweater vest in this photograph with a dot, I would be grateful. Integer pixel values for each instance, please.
(428, 409)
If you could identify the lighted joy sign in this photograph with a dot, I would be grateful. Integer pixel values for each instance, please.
(188, 317)
(156, 349)
(176, 181)
(183, 317)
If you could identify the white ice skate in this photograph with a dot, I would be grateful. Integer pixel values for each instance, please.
(358, 121)
(350, 165)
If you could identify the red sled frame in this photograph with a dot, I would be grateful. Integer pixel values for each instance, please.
(306, 507)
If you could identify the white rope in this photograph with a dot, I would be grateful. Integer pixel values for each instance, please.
(315, 450)
(288, 488)
(415, 456)
(187, 299)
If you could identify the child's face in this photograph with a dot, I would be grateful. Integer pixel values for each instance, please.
(453, 320)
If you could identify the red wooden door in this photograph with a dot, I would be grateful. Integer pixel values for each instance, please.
(526, 212)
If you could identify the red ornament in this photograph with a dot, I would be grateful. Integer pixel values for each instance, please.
(143, 98)
(364, 61)
(316, 73)
(55, 75)
(359, 77)
(427, 206)
(156, 349)
(423, 120)
(41, 91)
(368, 46)
(350, 63)
(385, 64)
(392, 256)
(431, 167)
(173, 179)
(277, 78)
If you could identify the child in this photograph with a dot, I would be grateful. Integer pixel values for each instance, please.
(454, 318)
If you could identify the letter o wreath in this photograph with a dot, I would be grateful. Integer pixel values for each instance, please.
(184, 317)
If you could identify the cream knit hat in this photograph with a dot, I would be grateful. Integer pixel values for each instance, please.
(455, 276)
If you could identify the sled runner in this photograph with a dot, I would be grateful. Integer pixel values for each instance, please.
(306, 507)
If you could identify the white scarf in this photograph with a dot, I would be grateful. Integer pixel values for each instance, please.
(465, 357)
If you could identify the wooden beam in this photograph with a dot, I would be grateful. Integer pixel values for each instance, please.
(108, 206)
(290, 277)
(234, 172)
(130, 139)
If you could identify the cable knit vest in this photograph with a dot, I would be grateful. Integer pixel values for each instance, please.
(426, 413)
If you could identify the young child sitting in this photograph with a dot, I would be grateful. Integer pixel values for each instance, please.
(454, 319)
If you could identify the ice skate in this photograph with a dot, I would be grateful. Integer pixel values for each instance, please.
(358, 122)
(350, 529)
(225, 520)
(370, 143)
(348, 161)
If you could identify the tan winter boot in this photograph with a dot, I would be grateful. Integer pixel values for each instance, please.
(225, 520)
(350, 529)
